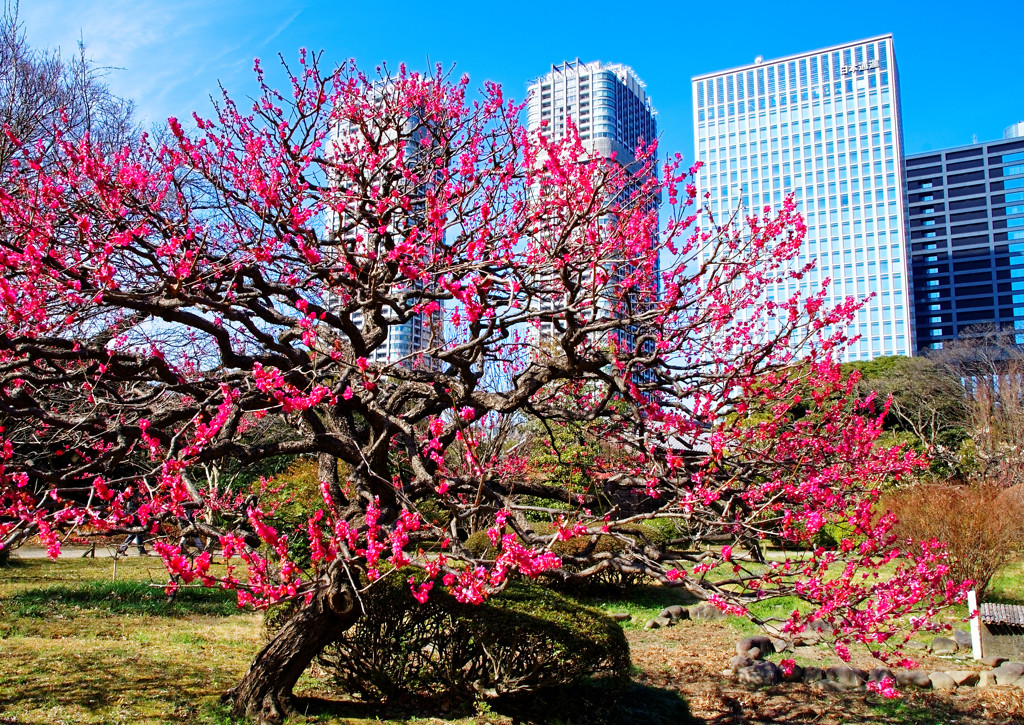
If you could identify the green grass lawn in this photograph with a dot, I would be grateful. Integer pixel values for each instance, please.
(81, 646)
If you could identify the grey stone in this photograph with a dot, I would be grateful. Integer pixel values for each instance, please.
(1008, 672)
(991, 661)
(675, 612)
(781, 645)
(829, 686)
(813, 674)
(919, 646)
(620, 616)
(759, 642)
(944, 646)
(806, 639)
(912, 678)
(878, 674)
(942, 682)
(820, 626)
(964, 678)
(963, 639)
(739, 662)
(1019, 684)
(706, 611)
(849, 677)
(755, 653)
(658, 623)
(759, 674)
(986, 679)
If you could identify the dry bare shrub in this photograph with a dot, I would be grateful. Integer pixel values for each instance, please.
(982, 524)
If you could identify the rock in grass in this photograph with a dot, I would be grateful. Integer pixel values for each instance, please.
(963, 639)
(620, 616)
(942, 682)
(964, 678)
(850, 677)
(986, 679)
(706, 611)
(912, 678)
(759, 674)
(877, 674)
(944, 646)
(761, 643)
(675, 612)
(820, 626)
(991, 661)
(813, 674)
(658, 623)
(1008, 673)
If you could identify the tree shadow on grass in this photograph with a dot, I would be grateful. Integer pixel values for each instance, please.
(587, 704)
(120, 598)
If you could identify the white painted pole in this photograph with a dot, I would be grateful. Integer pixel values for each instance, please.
(972, 607)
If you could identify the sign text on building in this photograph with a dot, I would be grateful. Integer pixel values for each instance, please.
(862, 66)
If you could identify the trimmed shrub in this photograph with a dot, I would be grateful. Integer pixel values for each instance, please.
(525, 639)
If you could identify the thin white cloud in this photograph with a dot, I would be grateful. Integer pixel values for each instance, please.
(167, 57)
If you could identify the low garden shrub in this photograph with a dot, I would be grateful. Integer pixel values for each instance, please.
(525, 639)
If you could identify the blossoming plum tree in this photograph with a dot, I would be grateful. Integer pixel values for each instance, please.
(166, 306)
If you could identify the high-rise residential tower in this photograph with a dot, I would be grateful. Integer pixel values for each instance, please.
(825, 127)
(410, 335)
(966, 223)
(609, 106)
(607, 102)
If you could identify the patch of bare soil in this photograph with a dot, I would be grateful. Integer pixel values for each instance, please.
(690, 658)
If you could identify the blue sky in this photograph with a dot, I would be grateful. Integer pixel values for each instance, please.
(960, 62)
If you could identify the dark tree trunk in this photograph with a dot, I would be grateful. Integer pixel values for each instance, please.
(327, 471)
(12, 542)
(265, 692)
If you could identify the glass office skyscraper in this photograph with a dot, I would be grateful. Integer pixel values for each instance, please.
(966, 223)
(824, 126)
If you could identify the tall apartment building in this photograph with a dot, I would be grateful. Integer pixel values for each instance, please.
(824, 126)
(966, 222)
(607, 102)
(609, 106)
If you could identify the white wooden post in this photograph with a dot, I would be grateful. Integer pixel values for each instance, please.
(972, 607)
